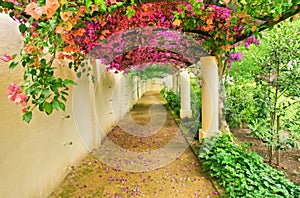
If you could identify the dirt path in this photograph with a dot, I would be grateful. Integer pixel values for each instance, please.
(290, 159)
(145, 156)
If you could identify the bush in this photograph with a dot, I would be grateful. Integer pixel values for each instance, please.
(172, 99)
(241, 173)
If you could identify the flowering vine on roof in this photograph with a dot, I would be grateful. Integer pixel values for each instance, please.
(68, 29)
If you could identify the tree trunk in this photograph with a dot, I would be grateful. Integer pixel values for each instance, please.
(270, 153)
(278, 140)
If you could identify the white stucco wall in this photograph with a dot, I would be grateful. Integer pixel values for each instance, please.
(35, 157)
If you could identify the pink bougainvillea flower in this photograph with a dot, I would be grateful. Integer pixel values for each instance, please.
(189, 7)
(15, 95)
(6, 58)
(33, 10)
(20, 98)
(13, 88)
(30, 8)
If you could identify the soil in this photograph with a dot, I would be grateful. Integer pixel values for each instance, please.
(290, 160)
(109, 171)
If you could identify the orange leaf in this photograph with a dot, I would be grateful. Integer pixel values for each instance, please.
(242, 15)
(144, 7)
(177, 22)
(278, 17)
(226, 48)
(208, 27)
(209, 21)
(105, 32)
(253, 28)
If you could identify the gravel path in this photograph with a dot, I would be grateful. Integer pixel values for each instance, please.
(144, 156)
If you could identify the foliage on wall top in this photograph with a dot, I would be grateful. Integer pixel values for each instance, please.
(67, 29)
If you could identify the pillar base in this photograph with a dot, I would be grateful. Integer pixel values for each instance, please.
(206, 134)
(186, 113)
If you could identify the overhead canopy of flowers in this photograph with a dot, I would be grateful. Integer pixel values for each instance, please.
(72, 30)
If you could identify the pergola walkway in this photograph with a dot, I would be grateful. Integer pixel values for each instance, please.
(169, 170)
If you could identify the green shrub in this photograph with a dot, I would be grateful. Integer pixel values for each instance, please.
(241, 173)
(172, 99)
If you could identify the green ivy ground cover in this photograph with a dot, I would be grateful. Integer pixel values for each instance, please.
(242, 173)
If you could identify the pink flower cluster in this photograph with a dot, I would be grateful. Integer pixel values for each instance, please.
(234, 57)
(6, 58)
(250, 41)
(145, 55)
(15, 95)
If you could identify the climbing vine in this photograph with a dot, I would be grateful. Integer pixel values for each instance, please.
(67, 29)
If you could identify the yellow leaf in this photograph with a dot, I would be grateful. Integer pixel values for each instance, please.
(177, 22)
(209, 21)
(67, 25)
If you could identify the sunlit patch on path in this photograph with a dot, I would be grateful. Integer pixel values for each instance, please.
(160, 170)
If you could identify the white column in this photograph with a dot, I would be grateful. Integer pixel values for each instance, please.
(125, 95)
(117, 98)
(210, 95)
(185, 110)
(135, 92)
(175, 83)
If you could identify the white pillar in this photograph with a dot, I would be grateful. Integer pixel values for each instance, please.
(210, 95)
(117, 98)
(175, 83)
(125, 95)
(135, 88)
(185, 110)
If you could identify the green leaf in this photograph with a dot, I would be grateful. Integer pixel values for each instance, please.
(35, 91)
(88, 3)
(13, 65)
(41, 107)
(27, 116)
(54, 89)
(40, 100)
(130, 12)
(62, 106)
(46, 93)
(48, 108)
(22, 28)
(63, 98)
(69, 82)
(55, 104)
(64, 93)
(8, 5)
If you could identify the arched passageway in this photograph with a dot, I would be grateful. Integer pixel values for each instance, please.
(140, 158)
(69, 31)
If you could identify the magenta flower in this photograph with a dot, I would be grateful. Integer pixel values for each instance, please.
(189, 7)
(15, 95)
(6, 58)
